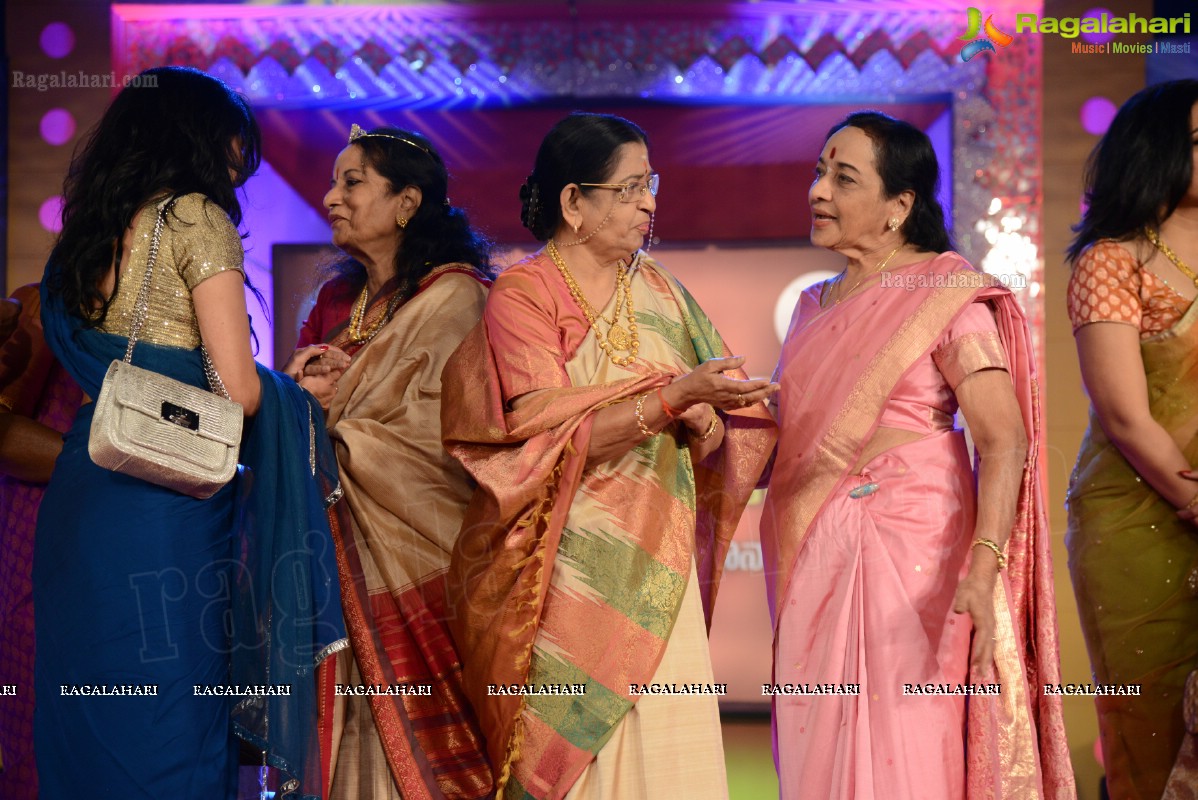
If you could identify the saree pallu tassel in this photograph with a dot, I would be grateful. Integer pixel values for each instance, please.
(514, 620)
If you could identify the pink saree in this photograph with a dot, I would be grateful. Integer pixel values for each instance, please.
(861, 583)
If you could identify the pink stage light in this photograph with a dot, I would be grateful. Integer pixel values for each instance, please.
(57, 39)
(57, 126)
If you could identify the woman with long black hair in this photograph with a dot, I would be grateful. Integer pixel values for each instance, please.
(150, 603)
(1133, 555)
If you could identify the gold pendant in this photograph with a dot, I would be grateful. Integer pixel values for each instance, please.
(618, 338)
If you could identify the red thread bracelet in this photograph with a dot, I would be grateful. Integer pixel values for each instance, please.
(666, 408)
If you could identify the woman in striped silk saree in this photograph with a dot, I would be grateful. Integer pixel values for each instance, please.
(614, 451)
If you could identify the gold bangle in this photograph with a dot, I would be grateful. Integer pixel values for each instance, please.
(1190, 504)
(640, 416)
(707, 434)
(998, 553)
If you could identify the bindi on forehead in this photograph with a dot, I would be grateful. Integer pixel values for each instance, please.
(833, 153)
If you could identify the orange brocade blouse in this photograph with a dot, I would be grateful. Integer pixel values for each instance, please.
(1109, 284)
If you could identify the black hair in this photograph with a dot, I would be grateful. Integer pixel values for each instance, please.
(170, 130)
(906, 161)
(438, 233)
(582, 148)
(1141, 168)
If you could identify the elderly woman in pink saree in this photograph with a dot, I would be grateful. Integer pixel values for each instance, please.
(882, 557)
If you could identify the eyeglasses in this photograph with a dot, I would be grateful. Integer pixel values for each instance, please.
(630, 192)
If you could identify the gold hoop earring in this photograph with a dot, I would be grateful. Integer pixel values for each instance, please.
(577, 225)
(402, 222)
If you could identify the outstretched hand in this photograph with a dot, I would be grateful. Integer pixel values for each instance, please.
(708, 384)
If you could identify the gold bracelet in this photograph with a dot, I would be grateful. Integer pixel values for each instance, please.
(1190, 504)
(640, 416)
(707, 434)
(998, 553)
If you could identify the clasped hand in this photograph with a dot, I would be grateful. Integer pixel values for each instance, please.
(317, 368)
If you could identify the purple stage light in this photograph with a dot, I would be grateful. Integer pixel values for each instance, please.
(1096, 114)
(1097, 38)
(50, 214)
(57, 126)
(57, 39)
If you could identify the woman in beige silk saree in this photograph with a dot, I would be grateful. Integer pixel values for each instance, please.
(1133, 546)
(615, 445)
(394, 720)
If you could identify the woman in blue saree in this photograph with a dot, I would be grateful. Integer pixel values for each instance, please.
(158, 615)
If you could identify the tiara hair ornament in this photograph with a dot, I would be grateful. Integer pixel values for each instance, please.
(356, 133)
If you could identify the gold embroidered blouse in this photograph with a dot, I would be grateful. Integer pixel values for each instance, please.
(198, 241)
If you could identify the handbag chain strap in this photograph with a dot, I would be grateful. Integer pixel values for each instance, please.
(142, 308)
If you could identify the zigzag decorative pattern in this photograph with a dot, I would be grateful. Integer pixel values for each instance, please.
(304, 56)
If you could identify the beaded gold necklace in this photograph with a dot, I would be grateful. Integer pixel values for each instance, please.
(1155, 239)
(616, 338)
(354, 331)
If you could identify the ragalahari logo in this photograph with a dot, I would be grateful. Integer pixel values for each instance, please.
(975, 27)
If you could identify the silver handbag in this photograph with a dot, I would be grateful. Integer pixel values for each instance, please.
(159, 429)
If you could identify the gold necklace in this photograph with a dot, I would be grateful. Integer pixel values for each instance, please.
(881, 266)
(612, 323)
(586, 307)
(355, 332)
(616, 338)
(1159, 243)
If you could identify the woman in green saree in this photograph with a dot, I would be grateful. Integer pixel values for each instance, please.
(1133, 548)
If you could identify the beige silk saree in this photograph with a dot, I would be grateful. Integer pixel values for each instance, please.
(404, 498)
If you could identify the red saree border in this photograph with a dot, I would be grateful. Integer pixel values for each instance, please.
(411, 775)
(407, 762)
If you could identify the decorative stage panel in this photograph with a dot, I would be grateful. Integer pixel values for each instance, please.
(733, 90)
(328, 58)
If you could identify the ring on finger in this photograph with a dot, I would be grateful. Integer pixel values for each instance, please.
(741, 399)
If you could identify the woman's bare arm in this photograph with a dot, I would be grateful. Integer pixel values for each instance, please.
(988, 402)
(225, 328)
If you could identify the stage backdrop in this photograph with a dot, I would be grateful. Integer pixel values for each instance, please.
(736, 97)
